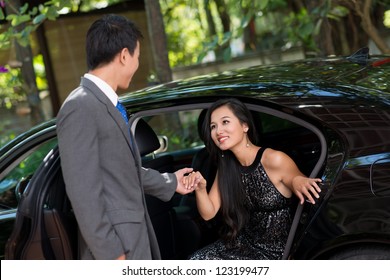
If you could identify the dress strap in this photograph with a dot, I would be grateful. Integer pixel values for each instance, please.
(255, 163)
(261, 151)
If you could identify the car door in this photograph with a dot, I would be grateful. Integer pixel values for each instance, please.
(178, 126)
(45, 227)
(16, 170)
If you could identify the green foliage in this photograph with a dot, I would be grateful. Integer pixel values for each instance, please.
(20, 23)
(386, 20)
(24, 20)
(275, 25)
(40, 73)
(11, 90)
(185, 32)
(337, 12)
(24, 170)
(5, 138)
(31, 163)
(301, 28)
(186, 21)
(11, 83)
(304, 26)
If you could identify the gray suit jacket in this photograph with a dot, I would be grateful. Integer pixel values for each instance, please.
(104, 178)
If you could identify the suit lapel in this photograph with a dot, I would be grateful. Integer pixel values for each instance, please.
(111, 109)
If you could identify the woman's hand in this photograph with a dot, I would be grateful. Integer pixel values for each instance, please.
(306, 187)
(195, 181)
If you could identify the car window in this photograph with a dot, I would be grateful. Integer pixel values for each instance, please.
(179, 129)
(272, 124)
(21, 173)
(300, 143)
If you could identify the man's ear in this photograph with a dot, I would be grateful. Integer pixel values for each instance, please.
(123, 55)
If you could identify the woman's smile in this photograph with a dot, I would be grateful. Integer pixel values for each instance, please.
(222, 139)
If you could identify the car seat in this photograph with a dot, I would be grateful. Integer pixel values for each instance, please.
(147, 142)
(161, 213)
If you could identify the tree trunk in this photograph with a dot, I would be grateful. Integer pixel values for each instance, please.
(211, 25)
(344, 47)
(225, 19)
(250, 35)
(212, 29)
(324, 39)
(353, 34)
(158, 40)
(25, 57)
(223, 14)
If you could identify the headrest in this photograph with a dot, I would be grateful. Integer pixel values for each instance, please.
(146, 138)
(201, 118)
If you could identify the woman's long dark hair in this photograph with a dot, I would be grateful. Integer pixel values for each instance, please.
(233, 209)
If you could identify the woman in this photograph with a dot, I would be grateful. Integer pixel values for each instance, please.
(252, 188)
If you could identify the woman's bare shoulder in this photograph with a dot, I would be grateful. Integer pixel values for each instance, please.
(273, 158)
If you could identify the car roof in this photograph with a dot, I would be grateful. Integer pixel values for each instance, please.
(346, 95)
(299, 85)
(352, 97)
(338, 74)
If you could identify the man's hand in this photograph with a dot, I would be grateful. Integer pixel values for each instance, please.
(195, 181)
(182, 187)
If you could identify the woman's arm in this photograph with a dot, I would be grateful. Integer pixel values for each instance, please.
(284, 173)
(208, 203)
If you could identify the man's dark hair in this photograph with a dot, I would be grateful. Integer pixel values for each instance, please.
(107, 37)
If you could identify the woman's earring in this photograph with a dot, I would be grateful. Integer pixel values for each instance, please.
(247, 141)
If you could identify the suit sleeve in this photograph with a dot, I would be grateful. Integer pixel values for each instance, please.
(78, 145)
(160, 185)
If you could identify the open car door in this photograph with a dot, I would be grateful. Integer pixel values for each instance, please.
(45, 227)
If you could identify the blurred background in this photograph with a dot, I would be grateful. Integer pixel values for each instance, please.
(42, 42)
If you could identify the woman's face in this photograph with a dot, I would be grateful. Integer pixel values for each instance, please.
(226, 130)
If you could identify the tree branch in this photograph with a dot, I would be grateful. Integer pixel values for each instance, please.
(365, 15)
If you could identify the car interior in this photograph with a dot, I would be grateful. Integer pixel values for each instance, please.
(175, 222)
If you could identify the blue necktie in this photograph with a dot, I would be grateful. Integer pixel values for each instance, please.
(122, 110)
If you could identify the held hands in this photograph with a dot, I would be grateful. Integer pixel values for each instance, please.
(306, 187)
(195, 181)
(189, 180)
(182, 186)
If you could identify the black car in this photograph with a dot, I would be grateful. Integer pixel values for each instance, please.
(332, 116)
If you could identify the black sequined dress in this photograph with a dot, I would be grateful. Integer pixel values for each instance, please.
(265, 235)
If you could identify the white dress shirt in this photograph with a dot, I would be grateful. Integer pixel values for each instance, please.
(106, 88)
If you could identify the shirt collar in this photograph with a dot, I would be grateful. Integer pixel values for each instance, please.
(107, 90)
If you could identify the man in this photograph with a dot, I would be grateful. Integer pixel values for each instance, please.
(102, 173)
